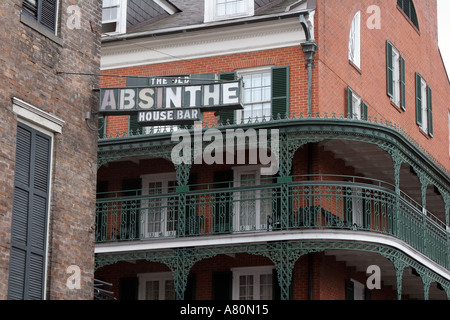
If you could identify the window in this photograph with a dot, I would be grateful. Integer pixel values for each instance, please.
(160, 210)
(449, 132)
(354, 44)
(266, 95)
(254, 283)
(43, 11)
(356, 108)
(253, 207)
(407, 7)
(228, 9)
(256, 97)
(424, 106)
(114, 16)
(30, 214)
(156, 286)
(396, 88)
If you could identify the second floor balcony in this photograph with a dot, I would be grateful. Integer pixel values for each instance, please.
(300, 203)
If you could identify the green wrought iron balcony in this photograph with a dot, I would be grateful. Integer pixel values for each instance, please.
(297, 204)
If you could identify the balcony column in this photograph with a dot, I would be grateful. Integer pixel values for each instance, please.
(423, 187)
(399, 266)
(183, 173)
(397, 161)
(285, 165)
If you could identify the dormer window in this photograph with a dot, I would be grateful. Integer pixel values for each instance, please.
(216, 10)
(114, 16)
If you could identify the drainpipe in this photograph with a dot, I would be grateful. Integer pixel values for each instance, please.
(309, 48)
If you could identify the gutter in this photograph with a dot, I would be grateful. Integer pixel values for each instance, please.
(202, 26)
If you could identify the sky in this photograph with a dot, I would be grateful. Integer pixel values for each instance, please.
(444, 31)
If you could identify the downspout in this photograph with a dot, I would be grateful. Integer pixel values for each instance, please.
(309, 48)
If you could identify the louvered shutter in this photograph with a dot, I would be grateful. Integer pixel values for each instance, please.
(280, 92)
(389, 70)
(430, 111)
(418, 99)
(29, 219)
(402, 84)
(350, 107)
(227, 116)
(47, 13)
(364, 111)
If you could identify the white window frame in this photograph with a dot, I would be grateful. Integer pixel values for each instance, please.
(396, 99)
(424, 106)
(354, 42)
(211, 14)
(161, 277)
(252, 71)
(256, 272)
(164, 178)
(356, 106)
(121, 20)
(260, 221)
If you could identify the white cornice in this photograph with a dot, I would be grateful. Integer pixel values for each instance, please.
(200, 44)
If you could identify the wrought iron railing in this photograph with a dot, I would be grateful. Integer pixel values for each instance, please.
(308, 202)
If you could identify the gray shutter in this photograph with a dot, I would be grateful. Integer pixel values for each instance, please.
(402, 84)
(47, 14)
(389, 70)
(364, 111)
(29, 218)
(418, 99)
(227, 116)
(349, 103)
(430, 111)
(280, 92)
(349, 290)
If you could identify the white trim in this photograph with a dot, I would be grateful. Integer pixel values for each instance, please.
(168, 7)
(262, 237)
(153, 276)
(211, 11)
(202, 43)
(164, 178)
(37, 116)
(354, 42)
(253, 271)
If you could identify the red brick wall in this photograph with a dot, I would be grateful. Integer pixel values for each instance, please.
(333, 21)
(293, 57)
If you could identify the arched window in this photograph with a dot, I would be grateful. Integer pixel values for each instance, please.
(407, 7)
(354, 42)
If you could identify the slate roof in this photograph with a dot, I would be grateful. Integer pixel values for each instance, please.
(145, 15)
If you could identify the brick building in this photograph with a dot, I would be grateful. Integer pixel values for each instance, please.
(357, 95)
(48, 153)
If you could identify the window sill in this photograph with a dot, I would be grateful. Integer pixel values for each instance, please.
(30, 22)
(398, 108)
(424, 133)
(350, 62)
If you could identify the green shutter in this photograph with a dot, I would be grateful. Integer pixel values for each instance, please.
(364, 111)
(389, 70)
(349, 103)
(280, 92)
(430, 111)
(418, 99)
(402, 84)
(227, 116)
(349, 290)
